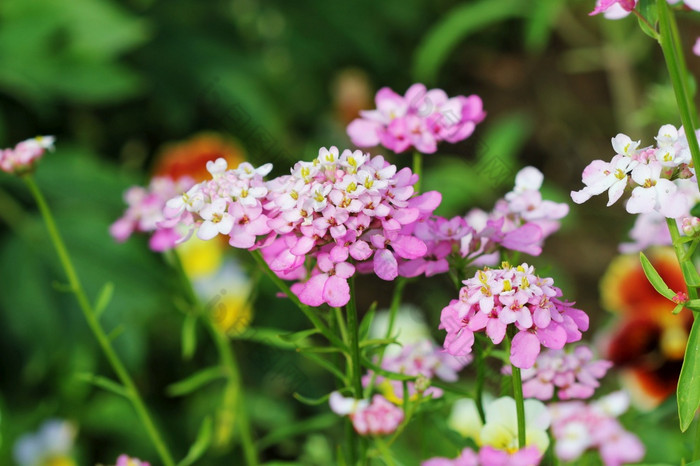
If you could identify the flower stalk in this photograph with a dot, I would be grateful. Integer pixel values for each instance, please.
(130, 390)
(228, 362)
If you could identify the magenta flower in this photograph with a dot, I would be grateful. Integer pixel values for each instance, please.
(466, 458)
(145, 212)
(22, 158)
(496, 298)
(380, 417)
(573, 374)
(420, 119)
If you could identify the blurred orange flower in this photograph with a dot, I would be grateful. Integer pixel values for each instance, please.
(647, 342)
(190, 157)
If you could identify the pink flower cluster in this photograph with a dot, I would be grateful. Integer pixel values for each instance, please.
(662, 177)
(496, 298)
(421, 118)
(578, 426)
(574, 374)
(380, 417)
(21, 158)
(520, 222)
(425, 359)
(145, 212)
(489, 456)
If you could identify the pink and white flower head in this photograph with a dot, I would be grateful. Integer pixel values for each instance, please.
(421, 119)
(574, 374)
(614, 9)
(229, 204)
(23, 157)
(125, 460)
(578, 427)
(380, 417)
(495, 298)
(657, 175)
(344, 207)
(144, 213)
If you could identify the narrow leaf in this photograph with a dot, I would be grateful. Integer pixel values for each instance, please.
(317, 423)
(647, 8)
(330, 367)
(189, 336)
(200, 445)
(104, 297)
(297, 336)
(366, 323)
(312, 401)
(118, 330)
(693, 304)
(689, 381)
(695, 211)
(103, 382)
(690, 273)
(654, 278)
(195, 381)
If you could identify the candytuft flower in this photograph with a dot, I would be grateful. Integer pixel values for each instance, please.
(496, 298)
(421, 119)
(661, 177)
(379, 417)
(23, 157)
(125, 460)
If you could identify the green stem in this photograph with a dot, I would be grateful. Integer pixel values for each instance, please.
(393, 311)
(131, 391)
(675, 62)
(228, 361)
(518, 396)
(418, 170)
(682, 256)
(355, 362)
(480, 379)
(230, 364)
(308, 312)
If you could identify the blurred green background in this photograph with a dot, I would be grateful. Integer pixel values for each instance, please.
(114, 81)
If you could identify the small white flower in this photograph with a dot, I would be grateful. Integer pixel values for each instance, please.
(216, 220)
(623, 145)
(218, 167)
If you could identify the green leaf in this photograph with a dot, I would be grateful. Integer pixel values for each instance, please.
(693, 304)
(690, 273)
(688, 393)
(266, 336)
(297, 337)
(654, 278)
(104, 297)
(379, 342)
(189, 336)
(329, 366)
(195, 381)
(366, 322)
(312, 401)
(103, 382)
(647, 8)
(679, 307)
(201, 443)
(454, 28)
(695, 211)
